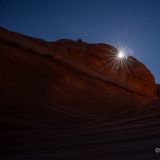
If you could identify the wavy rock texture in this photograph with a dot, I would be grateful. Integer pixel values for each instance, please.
(62, 100)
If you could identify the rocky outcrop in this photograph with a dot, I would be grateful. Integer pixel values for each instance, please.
(65, 100)
(97, 59)
(69, 77)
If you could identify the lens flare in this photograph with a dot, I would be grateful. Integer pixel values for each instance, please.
(118, 63)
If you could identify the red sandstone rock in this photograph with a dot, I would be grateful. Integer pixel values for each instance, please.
(96, 58)
(59, 100)
(67, 77)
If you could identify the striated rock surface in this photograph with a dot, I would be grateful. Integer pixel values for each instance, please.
(97, 59)
(67, 73)
(64, 100)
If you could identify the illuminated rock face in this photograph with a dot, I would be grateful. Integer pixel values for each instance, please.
(69, 77)
(95, 59)
(98, 60)
(68, 88)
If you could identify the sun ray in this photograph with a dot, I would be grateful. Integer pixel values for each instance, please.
(118, 63)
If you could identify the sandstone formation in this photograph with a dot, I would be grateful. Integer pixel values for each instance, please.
(65, 100)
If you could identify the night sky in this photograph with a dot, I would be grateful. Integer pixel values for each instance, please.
(131, 23)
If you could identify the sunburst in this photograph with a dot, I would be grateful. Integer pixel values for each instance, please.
(118, 62)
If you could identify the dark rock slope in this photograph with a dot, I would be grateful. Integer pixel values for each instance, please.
(63, 100)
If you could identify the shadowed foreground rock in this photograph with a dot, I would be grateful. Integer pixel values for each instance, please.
(63, 100)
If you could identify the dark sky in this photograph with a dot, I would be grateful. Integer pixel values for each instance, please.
(135, 23)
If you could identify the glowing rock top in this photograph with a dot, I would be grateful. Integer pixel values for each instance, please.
(106, 62)
(102, 61)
